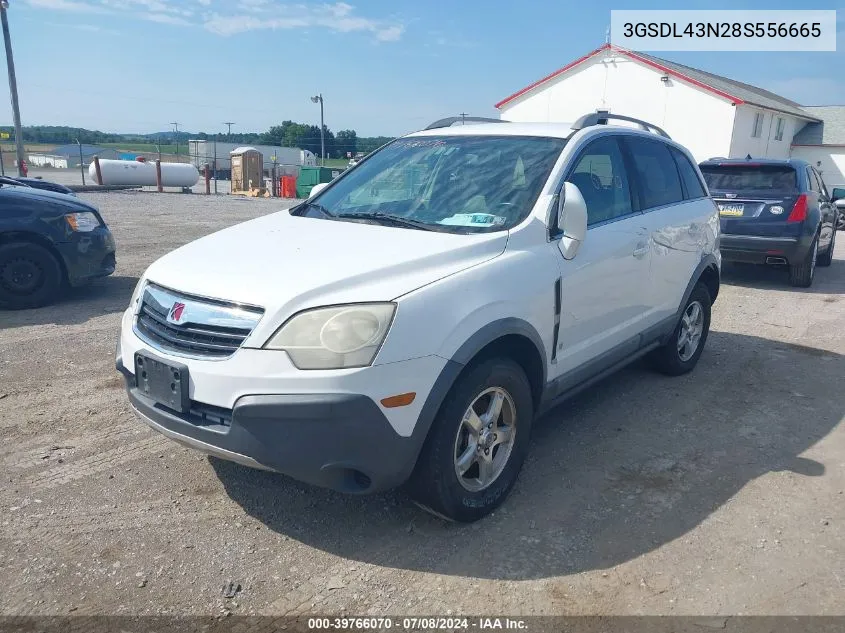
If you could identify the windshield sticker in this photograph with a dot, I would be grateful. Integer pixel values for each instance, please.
(474, 219)
(418, 142)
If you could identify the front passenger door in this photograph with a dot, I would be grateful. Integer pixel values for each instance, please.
(605, 288)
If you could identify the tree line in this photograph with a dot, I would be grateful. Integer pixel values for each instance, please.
(288, 134)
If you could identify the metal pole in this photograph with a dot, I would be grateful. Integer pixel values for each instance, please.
(13, 85)
(81, 164)
(176, 132)
(2, 167)
(215, 164)
(322, 135)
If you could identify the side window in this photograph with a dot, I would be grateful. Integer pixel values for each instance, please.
(822, 187)
(600, 175)
(689, 177)
(814, 183)
(656, 173)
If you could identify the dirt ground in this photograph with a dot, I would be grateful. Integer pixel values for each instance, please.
(720, 492)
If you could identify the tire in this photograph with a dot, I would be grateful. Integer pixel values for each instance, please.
(673, 359)
(435, 483)
(826, 258)
(30, 276)
(802, 275)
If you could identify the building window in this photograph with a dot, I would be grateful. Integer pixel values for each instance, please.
(758, 125)
(779, 130)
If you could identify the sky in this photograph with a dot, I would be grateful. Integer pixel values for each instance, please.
(384, 67)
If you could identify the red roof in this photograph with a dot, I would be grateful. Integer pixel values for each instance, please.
(631, 55)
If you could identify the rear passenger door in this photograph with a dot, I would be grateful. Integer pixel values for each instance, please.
(676, 211)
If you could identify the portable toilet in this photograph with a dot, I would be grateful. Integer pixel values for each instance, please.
(247, 169)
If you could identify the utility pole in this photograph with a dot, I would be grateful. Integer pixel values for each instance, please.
(13, 85)
(176, 130)
(229, 133)
(463, 118)
(319, 99)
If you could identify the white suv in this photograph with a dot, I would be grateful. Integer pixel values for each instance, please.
(409, 321)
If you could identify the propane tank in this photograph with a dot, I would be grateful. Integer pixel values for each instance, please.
(133, 172)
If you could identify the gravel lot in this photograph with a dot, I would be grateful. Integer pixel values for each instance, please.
(720, 492)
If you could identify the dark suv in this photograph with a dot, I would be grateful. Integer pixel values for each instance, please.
(48, 241)
(773, 212)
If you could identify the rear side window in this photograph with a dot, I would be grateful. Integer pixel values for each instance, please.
(739, 177)
(656, 173)
(692, 184)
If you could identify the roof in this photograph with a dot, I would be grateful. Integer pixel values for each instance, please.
(242, 149)
(755, 161)
(73, 150)
(735, 91)
(830, 131)
(559, 130)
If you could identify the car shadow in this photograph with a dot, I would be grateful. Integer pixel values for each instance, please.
(828, 279)
(633, 463)
(77, 305)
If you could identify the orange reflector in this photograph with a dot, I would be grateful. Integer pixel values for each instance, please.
(402, 400)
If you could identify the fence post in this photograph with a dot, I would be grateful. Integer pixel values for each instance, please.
(97, 168)
(158, 176)
(207, 180)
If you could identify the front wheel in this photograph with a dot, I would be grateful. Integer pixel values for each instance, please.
(681, 352)
(30, 276)
(477, 444)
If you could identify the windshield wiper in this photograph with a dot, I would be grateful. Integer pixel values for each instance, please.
(396, 220)
(315, 205)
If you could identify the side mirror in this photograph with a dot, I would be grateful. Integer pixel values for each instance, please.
(837, 194)
(317, 189)
(571, 220)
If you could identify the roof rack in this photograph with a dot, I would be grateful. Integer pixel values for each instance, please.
(601, 118)
(450, 121)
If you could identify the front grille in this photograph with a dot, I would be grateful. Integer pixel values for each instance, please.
(208, 328)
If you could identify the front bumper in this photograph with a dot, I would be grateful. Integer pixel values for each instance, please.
(324, 428)
(88, 255)
(755, 249)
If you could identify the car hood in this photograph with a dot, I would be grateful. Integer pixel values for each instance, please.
(28, 194)
(286, 263)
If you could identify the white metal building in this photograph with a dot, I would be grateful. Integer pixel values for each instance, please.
(202, 152)
(709, 114)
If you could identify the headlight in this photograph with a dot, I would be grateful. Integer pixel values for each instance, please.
(336, 337)
(136, 294)
(82, 222)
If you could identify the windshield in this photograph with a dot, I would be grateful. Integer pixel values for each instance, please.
(460, 183)
(742, 177)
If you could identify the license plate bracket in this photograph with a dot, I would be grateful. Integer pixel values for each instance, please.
(732, 210)
(164, 382)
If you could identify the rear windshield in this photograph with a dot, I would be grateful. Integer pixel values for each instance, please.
(742, 177)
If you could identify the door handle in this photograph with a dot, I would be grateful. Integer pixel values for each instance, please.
(640, 251)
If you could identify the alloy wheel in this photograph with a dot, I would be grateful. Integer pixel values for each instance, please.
(485, 439)
(692, 327)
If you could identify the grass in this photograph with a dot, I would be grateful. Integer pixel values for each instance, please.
(335, 162)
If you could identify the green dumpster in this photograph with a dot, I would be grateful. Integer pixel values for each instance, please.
(310, 176)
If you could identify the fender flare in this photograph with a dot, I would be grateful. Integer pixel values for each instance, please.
(706, 261)
(462, 357)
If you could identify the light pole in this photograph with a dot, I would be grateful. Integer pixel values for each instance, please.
(13, 85)
(229, 124)
(319, 99)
